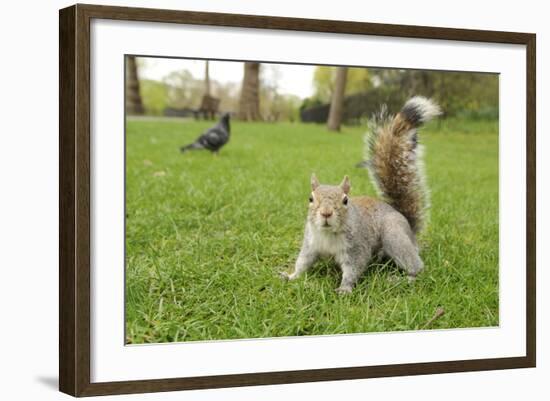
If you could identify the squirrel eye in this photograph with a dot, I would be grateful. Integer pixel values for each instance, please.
(345, 200)
(310, 199)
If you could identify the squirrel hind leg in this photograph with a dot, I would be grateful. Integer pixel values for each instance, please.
(400, 247)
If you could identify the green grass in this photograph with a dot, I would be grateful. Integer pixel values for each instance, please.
(206, 236)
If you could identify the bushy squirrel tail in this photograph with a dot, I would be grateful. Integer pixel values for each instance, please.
(395, 159)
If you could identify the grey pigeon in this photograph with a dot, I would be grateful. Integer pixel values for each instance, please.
(213, 138)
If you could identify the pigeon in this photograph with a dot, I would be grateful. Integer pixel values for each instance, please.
(213, 138)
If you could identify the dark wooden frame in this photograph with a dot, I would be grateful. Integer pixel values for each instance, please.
(74, 199)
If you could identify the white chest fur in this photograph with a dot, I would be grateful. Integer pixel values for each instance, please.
(328, 243)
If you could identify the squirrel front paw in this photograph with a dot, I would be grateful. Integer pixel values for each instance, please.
(285, 276)
(344, 290)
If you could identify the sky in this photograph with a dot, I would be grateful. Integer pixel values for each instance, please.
(292, 79)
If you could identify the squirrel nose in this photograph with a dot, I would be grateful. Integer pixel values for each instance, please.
(326, 213)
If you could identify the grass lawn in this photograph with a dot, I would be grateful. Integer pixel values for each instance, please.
(206, 236)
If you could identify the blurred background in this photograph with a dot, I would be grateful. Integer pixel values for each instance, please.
(334, 96)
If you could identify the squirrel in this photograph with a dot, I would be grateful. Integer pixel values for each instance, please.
(355, 230)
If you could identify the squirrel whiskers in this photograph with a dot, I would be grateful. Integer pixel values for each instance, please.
(354, 230)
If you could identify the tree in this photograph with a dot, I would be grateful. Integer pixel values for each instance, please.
(323, 83)
(358, 81)
(337, 101)
(154, 95)
(206, 79)
(228, 93)
(134, 104)
(183, 90)
(249, 105)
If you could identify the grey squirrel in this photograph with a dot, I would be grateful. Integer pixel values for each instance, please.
(355, 230)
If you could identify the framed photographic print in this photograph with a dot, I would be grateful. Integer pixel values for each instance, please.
(250, 200)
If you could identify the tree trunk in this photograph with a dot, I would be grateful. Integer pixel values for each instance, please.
(249, 105)
(337, 101)
(206, 80)
(134, 104)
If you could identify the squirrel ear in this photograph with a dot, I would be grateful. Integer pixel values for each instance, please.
(345, 185)
(314, 182)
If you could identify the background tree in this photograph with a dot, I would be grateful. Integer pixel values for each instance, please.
(134, 105)
(323, 83)
(274, 105)
(460, 94)
(183, 90)
(154, 95)
(358, 80)
(249, 105)
(337, 101)
(207, 79)
(228, 93)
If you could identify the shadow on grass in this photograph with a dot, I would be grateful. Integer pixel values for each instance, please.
(384, 267)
